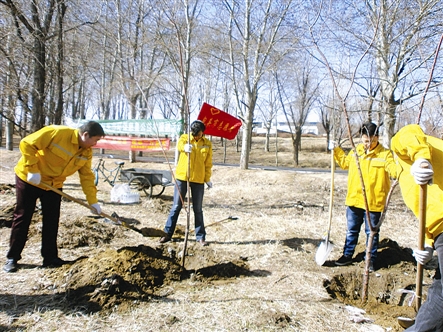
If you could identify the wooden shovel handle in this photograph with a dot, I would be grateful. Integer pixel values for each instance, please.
(331, 195)
(421, 242)
(61, 193)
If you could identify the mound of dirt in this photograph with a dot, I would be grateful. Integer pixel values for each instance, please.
(116, 276)
(6, 215)
(120, 277)
(85, 231)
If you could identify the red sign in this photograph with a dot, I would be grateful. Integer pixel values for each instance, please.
(219, 123)
(133, 143)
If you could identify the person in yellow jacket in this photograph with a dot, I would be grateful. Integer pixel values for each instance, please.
(199, 152)
(49, 155)
(377, 167)
(417, 156)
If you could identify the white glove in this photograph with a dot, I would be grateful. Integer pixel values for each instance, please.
(97, 208)
(209, 184)
(34, 178)
(332, 145)
(423, 256)
(422, 171)
(188, 148)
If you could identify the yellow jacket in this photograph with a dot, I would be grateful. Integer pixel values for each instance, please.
(54, 152)
(200, 162)
(408, 145)
(377, 167)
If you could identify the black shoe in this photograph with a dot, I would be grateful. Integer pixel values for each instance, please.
(371, 267)
(165, 239)
(11, 265)
(54, 262)
(344, 260)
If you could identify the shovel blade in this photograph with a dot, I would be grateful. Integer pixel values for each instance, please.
(323, 251)
(405, 322)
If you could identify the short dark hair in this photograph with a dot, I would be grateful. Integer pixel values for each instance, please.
(369, 129)
(197, 126)
(92, 128)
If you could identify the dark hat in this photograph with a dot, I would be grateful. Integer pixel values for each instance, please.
(197, 126)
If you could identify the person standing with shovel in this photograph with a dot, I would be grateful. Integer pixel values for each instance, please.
(417, 155)
(49, 156)
(199, 152)
(377, 166)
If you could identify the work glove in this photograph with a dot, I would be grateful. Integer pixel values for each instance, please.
(97, 208)
(423, 256)
(209, 184)
(188, 148)
(422, 171)
(332, 145)
(34, 178)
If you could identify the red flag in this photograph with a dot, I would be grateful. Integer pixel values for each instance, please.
(219, 123)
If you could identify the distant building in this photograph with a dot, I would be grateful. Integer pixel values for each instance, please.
(311, 128)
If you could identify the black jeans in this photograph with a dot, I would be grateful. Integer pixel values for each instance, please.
(27, 195)
(430, 316)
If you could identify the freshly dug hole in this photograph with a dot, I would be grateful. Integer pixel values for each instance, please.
(395, 270)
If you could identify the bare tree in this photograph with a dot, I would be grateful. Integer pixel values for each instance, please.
(179, 44)
(299, 101)
(405, 37)
(34, 27)
(254, 30)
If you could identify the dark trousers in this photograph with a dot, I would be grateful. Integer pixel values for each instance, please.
(27, 195)
(430, 316)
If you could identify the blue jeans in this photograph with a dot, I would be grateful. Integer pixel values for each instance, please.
(197, 191)
(430, 315)
(355, 218)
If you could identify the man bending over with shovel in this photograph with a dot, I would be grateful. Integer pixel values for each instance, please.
(417, 155)
(377, 166)
(49, 156)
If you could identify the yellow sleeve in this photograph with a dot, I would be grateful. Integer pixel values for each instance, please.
(341, 159)
(208, 163)
(31, 144)
(181, 143)
(410, 143)
(390, 165)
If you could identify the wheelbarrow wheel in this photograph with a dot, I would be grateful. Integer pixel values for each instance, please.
(141, 183)
(157, 192)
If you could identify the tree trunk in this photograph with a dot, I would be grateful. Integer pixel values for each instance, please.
(133, 100)
(38, 92)
(9, 135)
(58, 112)
(389, 124)
(246, 139)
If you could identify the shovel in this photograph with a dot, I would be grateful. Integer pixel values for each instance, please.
(421, 242)
(114, 217)
(325, 247)
(219, 221)
(423, 196)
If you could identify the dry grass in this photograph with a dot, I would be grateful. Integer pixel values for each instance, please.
(282, 216)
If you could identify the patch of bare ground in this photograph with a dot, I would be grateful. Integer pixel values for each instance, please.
(257, 274)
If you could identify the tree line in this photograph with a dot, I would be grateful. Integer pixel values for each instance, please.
(256, 59)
